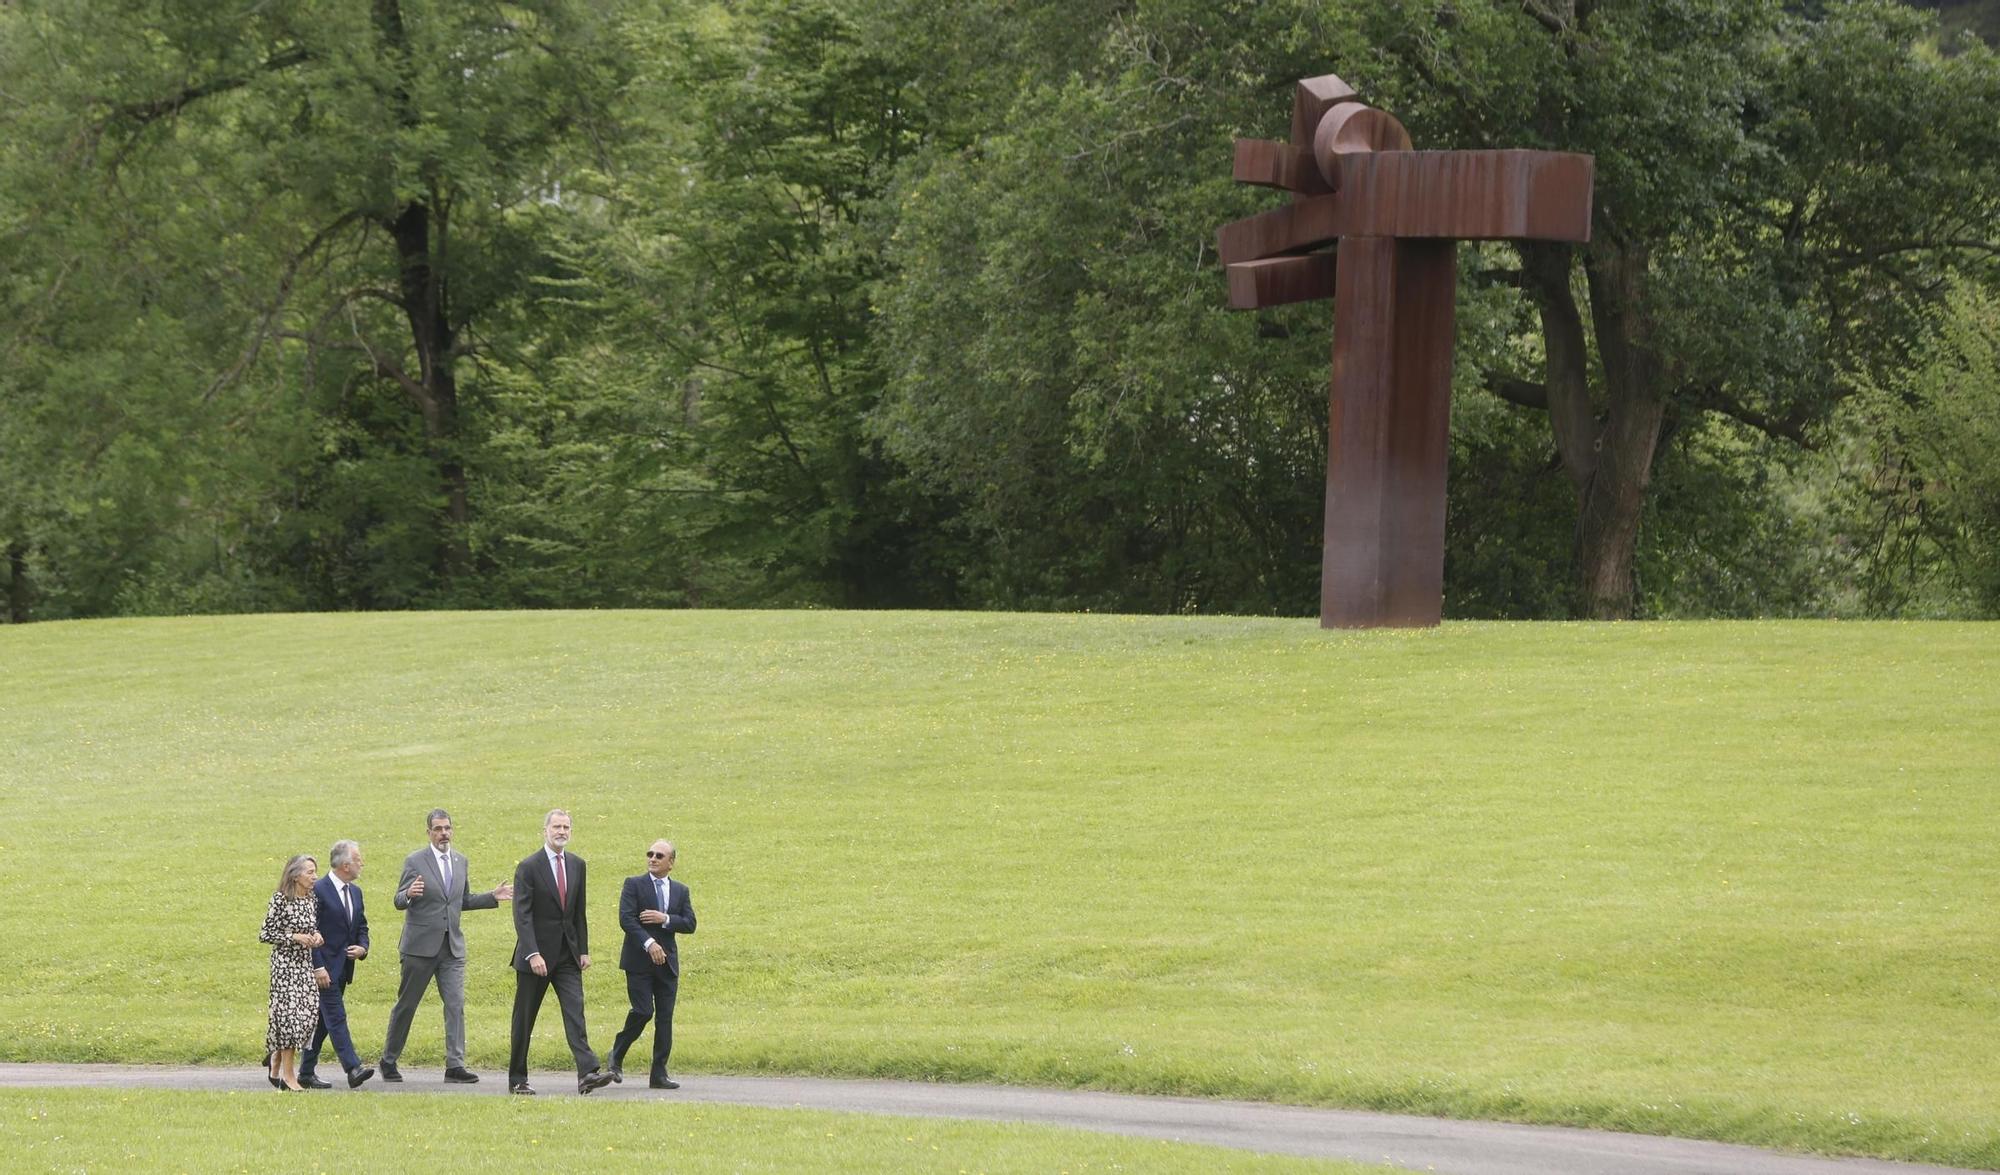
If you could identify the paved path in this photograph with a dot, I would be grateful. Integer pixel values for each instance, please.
(1423, 1144)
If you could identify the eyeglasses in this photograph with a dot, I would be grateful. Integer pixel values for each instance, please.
(653, 856)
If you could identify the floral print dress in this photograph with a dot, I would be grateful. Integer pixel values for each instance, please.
(294, 995)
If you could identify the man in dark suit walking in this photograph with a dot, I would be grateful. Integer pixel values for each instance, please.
(551, 949)
(343, 929)
(433, 891)
(652, 909)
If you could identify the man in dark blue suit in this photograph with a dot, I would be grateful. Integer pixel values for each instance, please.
(343, 928)
(652, 909)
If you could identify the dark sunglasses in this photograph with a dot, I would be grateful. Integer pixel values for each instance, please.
(651, 855)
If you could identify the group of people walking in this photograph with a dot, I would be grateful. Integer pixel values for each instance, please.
(318, 930)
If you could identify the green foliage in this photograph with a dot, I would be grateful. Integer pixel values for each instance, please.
(1507, 533)
(1776, 203)
(727, 321)
(231, 253)
(1930, 503)
(427, 304)
(1060, 359)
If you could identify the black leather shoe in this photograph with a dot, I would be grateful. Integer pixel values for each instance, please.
(357, 1075)
(663, 1083)
(460, 1076)
(312, 1081)
(617, 1075)
(593, 1081)
(524, 1089)
(390, 1072)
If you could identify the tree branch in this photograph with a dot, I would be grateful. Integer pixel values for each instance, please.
(1122, 136)
(144, 113)
(1525, 393)
(262, 331)
(1789, 428)
(1852, 258)
(1543, 17)
(46, 307)
(383, 365)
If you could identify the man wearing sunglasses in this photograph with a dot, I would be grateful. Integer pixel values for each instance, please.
(653, 909)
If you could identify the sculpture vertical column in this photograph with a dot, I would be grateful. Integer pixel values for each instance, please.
(1389, 419)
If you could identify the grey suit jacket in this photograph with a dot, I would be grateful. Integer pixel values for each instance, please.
(430, 922)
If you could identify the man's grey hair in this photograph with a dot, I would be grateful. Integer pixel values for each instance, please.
(341, 853)
(553, 813)
(436, 815)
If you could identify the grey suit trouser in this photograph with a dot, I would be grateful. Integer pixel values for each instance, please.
(418, 972)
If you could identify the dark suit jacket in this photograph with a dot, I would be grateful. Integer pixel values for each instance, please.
(541, 924)
(638, 895)
(337, 931)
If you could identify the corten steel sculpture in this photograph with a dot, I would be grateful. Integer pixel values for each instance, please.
(1396, 216)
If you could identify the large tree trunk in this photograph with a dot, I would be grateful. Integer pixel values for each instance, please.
(17, 582)
(1606, 447)
(1610, 507)
(418, 245)
(431, 334)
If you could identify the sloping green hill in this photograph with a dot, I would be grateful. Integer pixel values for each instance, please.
(1716, 880)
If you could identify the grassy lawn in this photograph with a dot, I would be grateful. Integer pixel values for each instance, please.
(1714, 880)
(83, 1130)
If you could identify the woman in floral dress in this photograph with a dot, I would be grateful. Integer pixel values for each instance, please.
(292, 929)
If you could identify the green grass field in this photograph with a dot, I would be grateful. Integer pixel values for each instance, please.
(1715, 880)
(89, 1130)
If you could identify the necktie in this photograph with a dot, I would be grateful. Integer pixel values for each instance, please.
(660, 894)
(347, 899)
(444, 869)
(562, 882)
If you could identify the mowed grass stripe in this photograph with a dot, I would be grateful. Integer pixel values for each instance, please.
(83, 1130)
(1717, 880)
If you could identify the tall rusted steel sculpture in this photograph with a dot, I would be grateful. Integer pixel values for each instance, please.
(1395, 216)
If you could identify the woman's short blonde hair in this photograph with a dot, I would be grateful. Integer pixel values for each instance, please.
(290, 881)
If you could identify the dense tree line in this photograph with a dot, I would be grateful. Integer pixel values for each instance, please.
(598, 303)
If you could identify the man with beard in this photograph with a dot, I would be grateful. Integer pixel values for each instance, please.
(552, 949)
(432, 893)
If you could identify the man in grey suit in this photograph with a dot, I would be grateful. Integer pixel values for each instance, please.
(432, 892)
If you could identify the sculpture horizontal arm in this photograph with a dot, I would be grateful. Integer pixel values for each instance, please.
(1461, 195)
(1303, 224)
(1271, 164)
(1276, 281)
